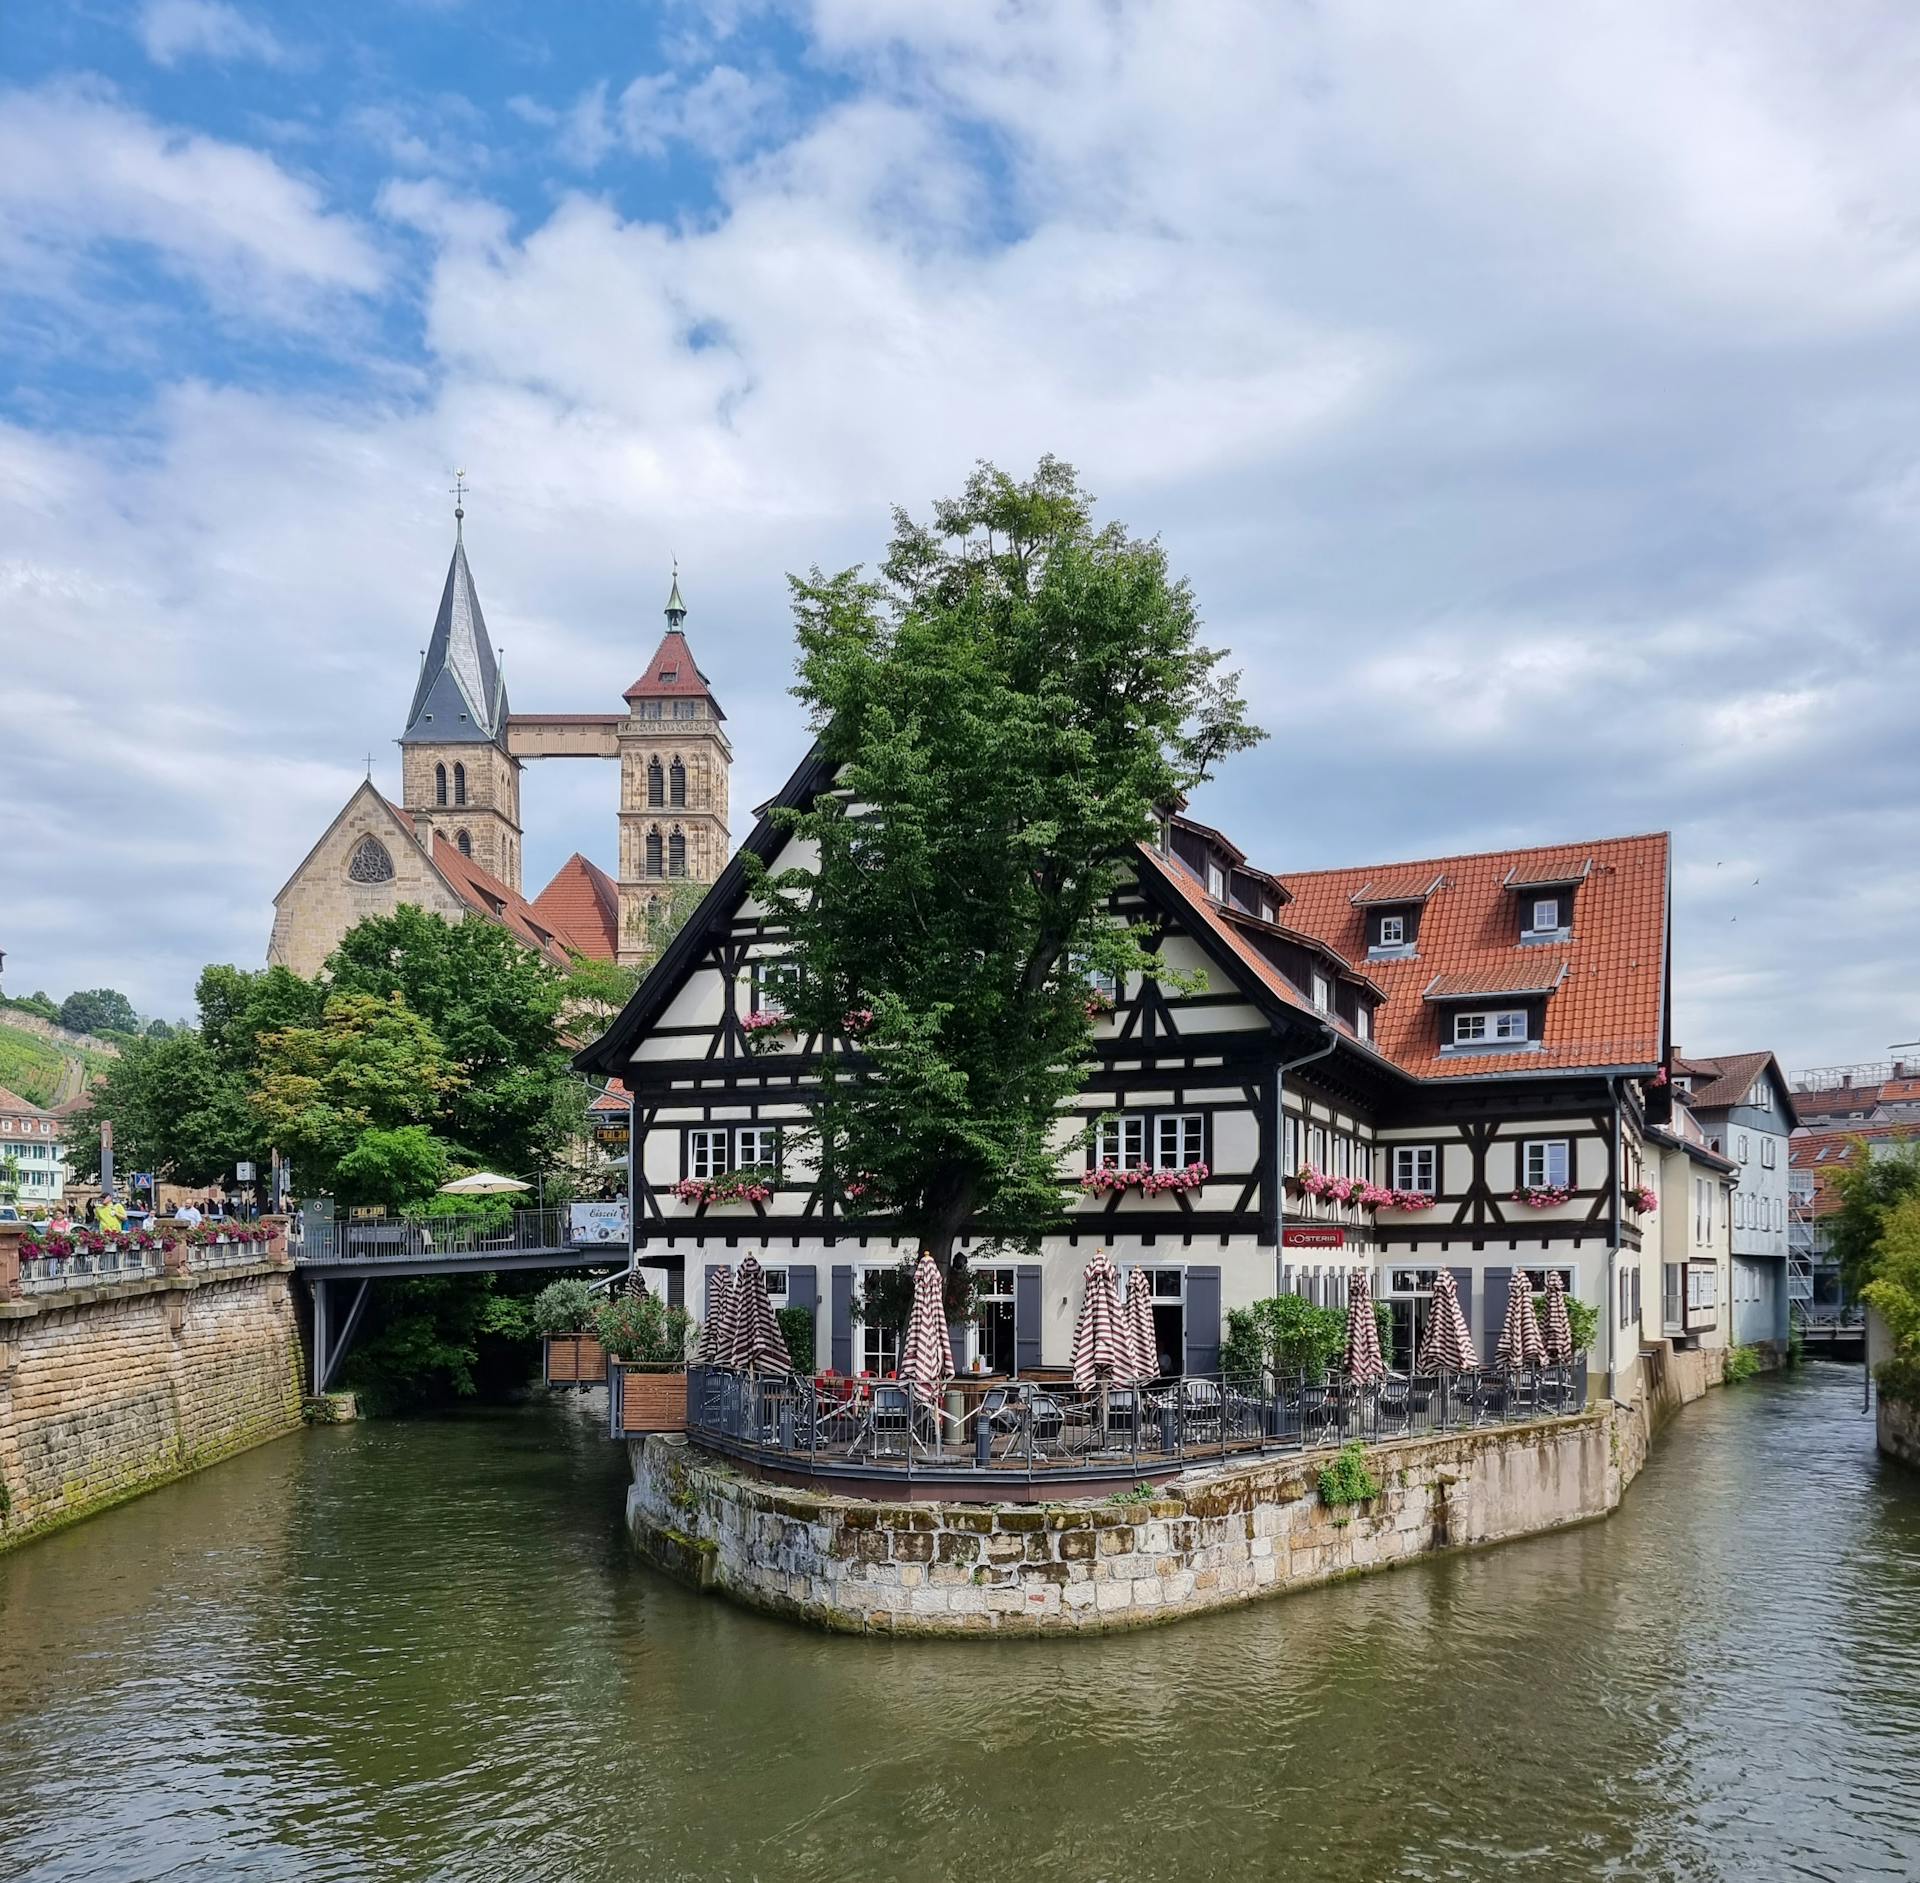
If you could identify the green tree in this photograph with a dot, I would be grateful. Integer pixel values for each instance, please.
(494, 1007)
(174, 1109)
(1007, 708)
(354, 1099)
(99, 1010)
(1880, 1178)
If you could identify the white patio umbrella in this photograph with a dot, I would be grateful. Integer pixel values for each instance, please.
(926, 1361)
(483, 1183)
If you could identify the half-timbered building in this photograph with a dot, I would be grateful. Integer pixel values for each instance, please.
(1416, 1065)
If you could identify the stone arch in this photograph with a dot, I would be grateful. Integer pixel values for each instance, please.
(466, 844)
(370, 862)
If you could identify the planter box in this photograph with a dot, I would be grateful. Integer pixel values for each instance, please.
(647, 1399)
(574, 1360)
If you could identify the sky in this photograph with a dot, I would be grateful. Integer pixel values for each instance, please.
(1531, 395)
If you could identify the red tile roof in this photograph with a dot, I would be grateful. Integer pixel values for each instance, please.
(616, 1098)
(1822, 1152)
(13, 1102)
(582, 905)
(487, 895)
(1543, 869)
(1725, 1080)
(1523, 977)
(1208, 910)
(1607, 1012)
(672, 675)
(1404, 886)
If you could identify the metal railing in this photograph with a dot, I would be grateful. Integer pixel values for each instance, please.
(54, 1274)
(1040, 1429)
(527, 1232)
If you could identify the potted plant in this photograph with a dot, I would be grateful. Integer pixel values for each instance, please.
(650, 1339)
(563, 1314)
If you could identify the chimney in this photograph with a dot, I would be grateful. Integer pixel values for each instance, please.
(1846, 1078)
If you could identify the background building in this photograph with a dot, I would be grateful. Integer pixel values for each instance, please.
(32, 1155)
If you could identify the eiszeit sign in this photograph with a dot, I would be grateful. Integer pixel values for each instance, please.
(597, 1222)
(1314, 1237)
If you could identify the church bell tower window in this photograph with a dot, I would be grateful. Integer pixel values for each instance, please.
(653, 853)
(459, 784)
(676, 855)
(656, 783)
(439, 784)
(677, 788)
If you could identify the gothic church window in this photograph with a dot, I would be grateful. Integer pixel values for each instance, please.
(677, 785)
(439, 784)
(656, 783)
(370, 862)
(653, 853)
(466, 844)
(676, 855)
(459, 784)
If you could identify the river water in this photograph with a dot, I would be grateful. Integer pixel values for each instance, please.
(421, 1650)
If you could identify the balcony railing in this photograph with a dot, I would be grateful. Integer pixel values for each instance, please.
(1041, 1430)
(528, 1232)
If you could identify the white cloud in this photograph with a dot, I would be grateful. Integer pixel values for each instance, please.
(80, 171)
(173, 30)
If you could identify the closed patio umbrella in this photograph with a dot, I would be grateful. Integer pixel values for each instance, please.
(926, 1362)
(1558, 1342)
(754, 1343)
(1096, 1335)
(1364, 1362)
(713, 1336)
(1143, 1343)
(1520, 1342)
(1446, 1345)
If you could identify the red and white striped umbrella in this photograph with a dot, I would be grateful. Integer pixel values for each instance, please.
(1558, 1343)
(754, 1341)
(713, 1336)
(1097, 1348)
(1446, 1345)
(1520, 1342)
(1364, 1362)
(926, 1363)
(1143, 1343)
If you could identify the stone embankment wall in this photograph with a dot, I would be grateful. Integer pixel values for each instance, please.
(1217, 1538)
(112, 1389)
(1897, 1426)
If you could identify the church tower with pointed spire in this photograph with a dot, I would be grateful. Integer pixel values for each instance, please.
(675, 763)
(457, 776)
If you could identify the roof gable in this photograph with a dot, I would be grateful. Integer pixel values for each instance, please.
(673, 674)
(582, 905)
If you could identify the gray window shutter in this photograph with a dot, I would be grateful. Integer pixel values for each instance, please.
(803, 1291)
(1026, 1317)
(1463, 1287)
(706, 1300)
(843, 1318)
(1499, 1286)
(1203, 1320)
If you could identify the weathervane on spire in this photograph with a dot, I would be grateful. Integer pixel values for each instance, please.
(676, 608)
(459, 488)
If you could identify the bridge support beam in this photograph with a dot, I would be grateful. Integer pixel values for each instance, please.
(337, 1308)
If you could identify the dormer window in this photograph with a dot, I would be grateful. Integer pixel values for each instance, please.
(1266, 909)
(1490, 1026)
(1363, 1022)
(1546, 913)
(667, 675)
(1393, 931)
(1322, 992)
(1216, 882)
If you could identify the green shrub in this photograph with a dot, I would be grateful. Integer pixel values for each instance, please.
(796, 1329)
(1285, 1332)
(1742, 1364)
(1142, 1493)
(563, 1307)
(644, 1330)
(1584, 1321)
(1347, 1480)
(1899, 1378)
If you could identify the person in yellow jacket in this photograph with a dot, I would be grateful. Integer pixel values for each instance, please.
(113, 1218)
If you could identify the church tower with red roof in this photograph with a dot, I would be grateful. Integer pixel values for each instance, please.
(674, 766)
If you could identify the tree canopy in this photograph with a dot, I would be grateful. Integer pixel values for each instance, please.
(1006, 709)
(1880, 1178)
(99, 1010)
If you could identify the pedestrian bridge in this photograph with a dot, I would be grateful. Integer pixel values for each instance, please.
(339, 1258)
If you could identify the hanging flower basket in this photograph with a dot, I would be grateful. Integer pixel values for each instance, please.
(1109, 1179)
(1643, 1200)
(741, 1187)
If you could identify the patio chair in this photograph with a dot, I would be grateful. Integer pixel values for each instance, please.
(893, 1426)
(1490, 1397)
(1046, 1420)
(1320, 1409)
(1394, 1405)
(1201, 1410)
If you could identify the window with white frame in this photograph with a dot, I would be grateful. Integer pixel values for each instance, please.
(1499, 1023)
(709, 1152)
(1317, 1146)
(1393, 931)
(775, 982)
(1760, 1096)
(1179, 1139)
(1216, 882)
(1545, 1163)
(756, 1146)
(1768, 1153)
(1363, 1021)
(1322, 991)
(1546, 915)
(1415, 1167)
(1292, 1142)
(1121, 1142)
(1744, 1158)
(1105, 985)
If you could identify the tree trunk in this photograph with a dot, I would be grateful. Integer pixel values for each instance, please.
(949, 1203)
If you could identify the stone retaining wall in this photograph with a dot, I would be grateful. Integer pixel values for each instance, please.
(1218, 1537)
(1897, 1427)
(112, 1389)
